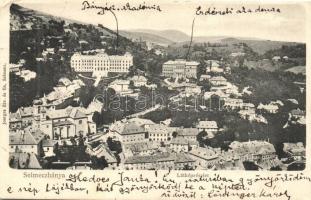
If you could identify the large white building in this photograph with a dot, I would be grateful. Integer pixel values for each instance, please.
(180, 68)
(101, 63)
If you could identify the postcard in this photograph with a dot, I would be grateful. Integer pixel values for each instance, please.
(177, 99)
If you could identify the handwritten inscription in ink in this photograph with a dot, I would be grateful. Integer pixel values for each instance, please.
(167, 185)
(229, 11)
(128, 7)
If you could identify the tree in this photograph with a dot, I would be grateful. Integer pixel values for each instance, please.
(174, 134)
(114, 145)
(97, 118)
(201, 138)
(131, 85)
(81, 140)
(73, 141)
(99, 163)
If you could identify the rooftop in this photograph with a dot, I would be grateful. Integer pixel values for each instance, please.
(158, 157)
(48, 143)
(180, 62)
(125, 128)
(26, 137)
(207, 124)
(204, 153)
(24, 161)
(188, 132)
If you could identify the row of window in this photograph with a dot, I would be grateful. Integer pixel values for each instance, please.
(91, 65)
(88, 68)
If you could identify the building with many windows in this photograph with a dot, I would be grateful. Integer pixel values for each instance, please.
(101, 63)
(180, 68)
(26, 141)
(66, 123)
(128, 132)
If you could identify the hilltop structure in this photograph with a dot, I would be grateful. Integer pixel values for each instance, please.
(101, 63)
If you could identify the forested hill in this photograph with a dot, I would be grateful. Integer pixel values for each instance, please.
(32, 33)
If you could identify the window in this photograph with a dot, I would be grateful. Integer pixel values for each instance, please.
(80, 121)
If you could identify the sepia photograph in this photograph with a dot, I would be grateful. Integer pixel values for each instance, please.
(183, 87)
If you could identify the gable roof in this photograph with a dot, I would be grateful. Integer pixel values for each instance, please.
(207, 124)
(298, 112)
(48, 143)
(24, 161)
(126, 128)
(139, 79)
(75, 113)
(183, 141)
(26, 137)
(25, 111)
(182, 158)
(188, 132)
(204, 153)
(72, 112)
(15, 117)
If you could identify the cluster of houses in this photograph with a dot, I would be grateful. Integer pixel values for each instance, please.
(130, 87)
(63, 94)
(228, 92)
(35, 131)
(18, 70)
(147, 145)
(296, 151)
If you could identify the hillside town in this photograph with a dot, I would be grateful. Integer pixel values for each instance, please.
(100, 110)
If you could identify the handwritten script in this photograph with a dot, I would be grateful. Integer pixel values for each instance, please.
(101, 9)
(230, 11)
(167, 185)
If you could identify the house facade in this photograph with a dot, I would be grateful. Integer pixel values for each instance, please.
(180, 68)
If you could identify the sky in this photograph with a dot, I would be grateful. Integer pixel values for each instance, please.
(289, 25)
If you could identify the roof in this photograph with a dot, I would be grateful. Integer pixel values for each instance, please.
(188, 132)
(204, 153)
(294, 148)
(24, 161)
(62, 123)
(103, 151)
(141, 121)
(48, 143)
(250, 105)
(213, 63)
(75, 113)
(160, 128)
(15, 117)
(183, 141)
(267, 107)
(143, 146)
(25, 111)
(64, 81)
(72, 112)
(218, 78)
(26, 137)
(120, 82)
(180, 62)
(207, 124)
(158, 157)
(298, 112)
(139, 78)
(253, 147)
(95, 106)
(126, 128)
(182, 158)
